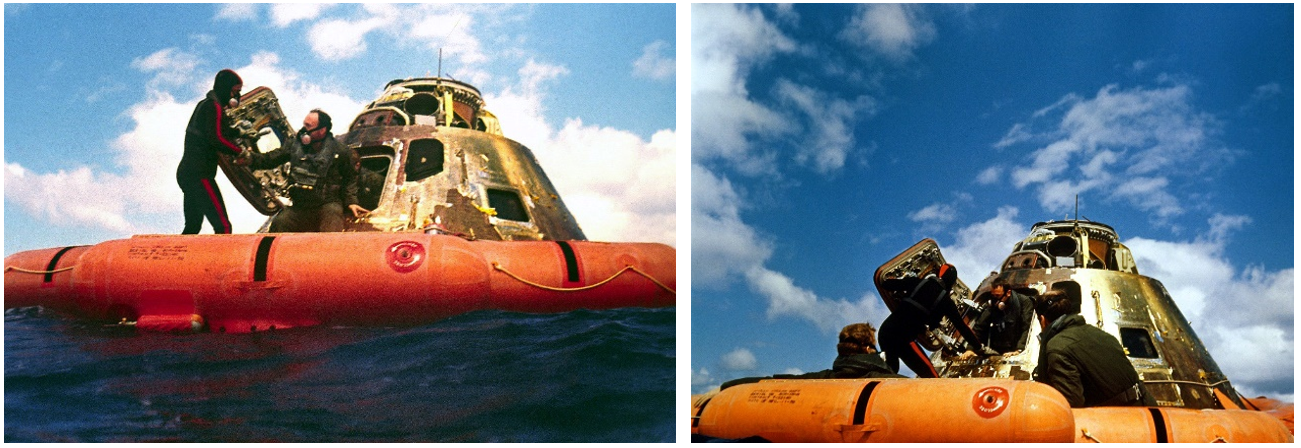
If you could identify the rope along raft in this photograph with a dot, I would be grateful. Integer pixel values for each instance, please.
(29, 271)
(497, 266)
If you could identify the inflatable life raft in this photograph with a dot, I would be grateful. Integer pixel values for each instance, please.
(246, 283)
(954, 410)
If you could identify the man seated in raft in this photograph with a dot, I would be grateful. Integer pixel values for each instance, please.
(1004, 325)
(1084, 363)
(857, 358)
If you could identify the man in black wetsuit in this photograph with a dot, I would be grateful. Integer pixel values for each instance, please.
(857, 358)
(209, 131)
(924, 301)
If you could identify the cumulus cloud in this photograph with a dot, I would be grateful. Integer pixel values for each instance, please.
(653, 64)
(739, 360)
(237, 12)
(891, 30)
(336, 40)
(786, 299)
(702, 380)
(990, 176)
(981, 247)
(170, 67)
(618, 186)
(831, 121)
(434, 30)
(722, 246)
(728, 41)
(1132, 145)
(285, 14)
(939, 213)
(724, 249)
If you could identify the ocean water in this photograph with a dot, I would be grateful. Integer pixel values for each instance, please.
(488, 376)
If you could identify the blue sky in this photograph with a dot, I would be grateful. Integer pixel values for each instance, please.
(97, 98)
(827, 138)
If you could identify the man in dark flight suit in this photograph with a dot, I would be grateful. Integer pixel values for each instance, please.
(1087, 365)
(1005, 322)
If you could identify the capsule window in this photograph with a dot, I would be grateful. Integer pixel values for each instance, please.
(370, 180)
(508, 205)
(1137, 343)
(424, 159)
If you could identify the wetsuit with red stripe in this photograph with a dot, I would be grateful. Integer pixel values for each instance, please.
(209, 131)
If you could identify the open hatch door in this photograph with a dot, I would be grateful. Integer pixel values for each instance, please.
(920, 260)
(263, 128)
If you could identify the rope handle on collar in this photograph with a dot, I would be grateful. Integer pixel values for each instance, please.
(497, 266)
(30, 271)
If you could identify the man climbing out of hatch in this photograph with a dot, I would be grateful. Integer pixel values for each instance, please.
(322, 175)
(1004, 324)
(923, 302)
(209, 131)
(856, 358)
(1084, 363)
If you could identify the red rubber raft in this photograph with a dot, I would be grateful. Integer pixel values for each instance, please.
(258, 282)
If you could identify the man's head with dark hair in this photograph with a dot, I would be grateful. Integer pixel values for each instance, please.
(1056, 303)
(856, 339)
(324, 119)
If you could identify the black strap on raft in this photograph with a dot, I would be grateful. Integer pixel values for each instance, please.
(860, 409)
(260, 262)
(571, 260)
(1158, 421)
(49, 270)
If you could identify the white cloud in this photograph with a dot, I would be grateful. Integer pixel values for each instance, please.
(831, 121)
(990, 175)
(721, 244)
(893, 30)
(1117, 142)
(619, 187)
(723, 248)
(739, 360)
(786, 299)
(727, 42)
(701, 380)
(938, 213)
(653, 64)
(61, 196)
(237, 12)
(438, 31)
(170, 67)
(336, 40)
(981, 247)
(285, 14)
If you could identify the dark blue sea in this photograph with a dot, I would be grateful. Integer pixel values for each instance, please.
(488, 376)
